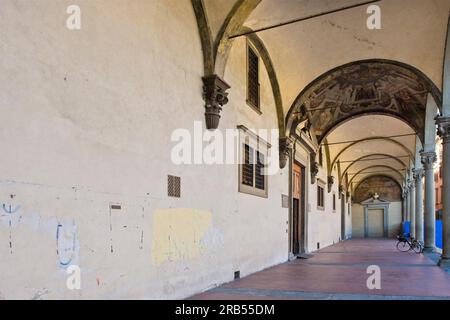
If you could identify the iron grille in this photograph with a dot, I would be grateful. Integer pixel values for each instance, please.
(174, 186)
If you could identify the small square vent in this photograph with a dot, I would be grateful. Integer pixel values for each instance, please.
(173, 186)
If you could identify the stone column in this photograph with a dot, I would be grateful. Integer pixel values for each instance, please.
(444, 132)
(404, 205)
(428, 160)
(412, 207)
(407, 202)
(418, 176)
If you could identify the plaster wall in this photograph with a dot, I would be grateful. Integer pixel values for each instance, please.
(357, 221)
(394, 222)
(88, 119)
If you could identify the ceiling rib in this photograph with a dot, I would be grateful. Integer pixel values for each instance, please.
(373, 172)
(364, 158)
(381, 158)
(282, 24)
(377, 166)
(350, 141)
(370, 139)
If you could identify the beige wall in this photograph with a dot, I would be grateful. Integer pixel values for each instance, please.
(395, 218)
(394, 222)
(88, 118)
(357, 221)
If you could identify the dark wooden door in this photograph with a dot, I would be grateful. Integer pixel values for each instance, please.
(298, 219)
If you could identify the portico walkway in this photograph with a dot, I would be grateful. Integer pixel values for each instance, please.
(340, 272)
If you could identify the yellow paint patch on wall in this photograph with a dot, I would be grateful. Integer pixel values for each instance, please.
(178, 234)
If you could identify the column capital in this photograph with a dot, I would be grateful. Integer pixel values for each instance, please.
(418, 174)
(443, 130)
(404, 195)
(428, 159)
(330, 183)
(411, 184)
(406, 188)
(215, 96)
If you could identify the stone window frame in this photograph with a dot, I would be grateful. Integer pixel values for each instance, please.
(248, 137)
(321, 184)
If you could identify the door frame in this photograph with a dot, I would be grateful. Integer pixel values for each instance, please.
(302, 219)
(385, 208)
(343, 220)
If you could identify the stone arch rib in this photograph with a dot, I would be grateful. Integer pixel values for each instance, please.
(377, 166)
(206, 37)
(371, 139)
(373, 155)
(299, 113)
(233, 24)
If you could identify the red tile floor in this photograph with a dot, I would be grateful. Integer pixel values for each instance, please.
(340, 272)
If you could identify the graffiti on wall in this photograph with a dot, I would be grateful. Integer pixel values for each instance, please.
(66, 243)
(13, 218)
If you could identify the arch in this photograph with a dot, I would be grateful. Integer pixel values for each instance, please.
(232, 24)
(445, 111)
(215, 54)
(216, 51)
(376, 166)
(378, 175)
(373, 155)
(371, 139)
(206, 37)
(360, 115)
(365, 87)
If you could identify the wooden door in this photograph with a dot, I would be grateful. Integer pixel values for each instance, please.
(375, 223)
(298, 209)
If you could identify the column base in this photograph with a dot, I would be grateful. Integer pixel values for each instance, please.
(444, 263)
(429, 249)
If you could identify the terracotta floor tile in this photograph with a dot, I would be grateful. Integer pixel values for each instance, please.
(340, 272)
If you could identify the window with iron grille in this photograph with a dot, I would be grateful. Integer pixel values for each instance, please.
(253, 78)
(173, 186)
(252, 174)
(259, 171)
(334, 202)
(320, 197)
(253, 178)
(247, 167)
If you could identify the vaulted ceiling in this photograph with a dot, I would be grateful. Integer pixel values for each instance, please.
(303, 54)
(371, 153)
(413, 32)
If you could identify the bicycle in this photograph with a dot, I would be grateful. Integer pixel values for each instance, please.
(407, 243)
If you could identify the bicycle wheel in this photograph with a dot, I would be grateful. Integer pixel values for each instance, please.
(403, 246)
(417, 247)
